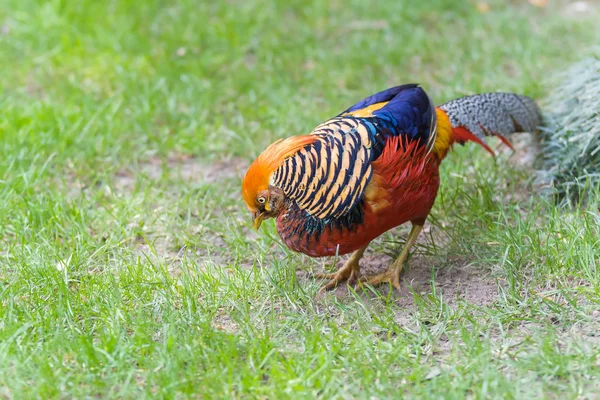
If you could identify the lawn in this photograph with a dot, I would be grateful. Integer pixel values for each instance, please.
(128, 264)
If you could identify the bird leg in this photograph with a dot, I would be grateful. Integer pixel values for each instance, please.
(350, 271)
(392, 275)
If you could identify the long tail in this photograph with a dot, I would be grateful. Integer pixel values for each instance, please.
(472, 118)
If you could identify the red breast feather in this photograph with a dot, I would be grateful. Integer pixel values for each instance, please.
(404, 186)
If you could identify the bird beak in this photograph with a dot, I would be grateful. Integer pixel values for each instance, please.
(257, 220)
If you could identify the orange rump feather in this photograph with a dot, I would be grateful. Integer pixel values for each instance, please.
(260, 171)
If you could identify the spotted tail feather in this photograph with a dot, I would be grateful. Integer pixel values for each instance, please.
(475, 117)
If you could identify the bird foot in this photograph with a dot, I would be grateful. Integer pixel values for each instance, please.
(390, 276)
(349, 272)
(344, 274)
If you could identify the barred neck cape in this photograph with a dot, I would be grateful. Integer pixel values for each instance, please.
(328, 178)
(331, 183)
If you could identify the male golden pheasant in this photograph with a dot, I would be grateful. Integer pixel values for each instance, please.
(371, 168)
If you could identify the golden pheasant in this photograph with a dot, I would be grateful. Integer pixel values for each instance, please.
(371, 168)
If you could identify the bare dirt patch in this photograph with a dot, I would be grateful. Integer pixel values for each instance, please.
(580, 9)
(526, 150)
(161, 247)
(223, 321)
(182, 166)
(174, 172)
(455, 281)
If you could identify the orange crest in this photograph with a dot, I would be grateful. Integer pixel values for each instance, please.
(258, 175)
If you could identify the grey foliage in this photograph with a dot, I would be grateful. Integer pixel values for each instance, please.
(571, 133)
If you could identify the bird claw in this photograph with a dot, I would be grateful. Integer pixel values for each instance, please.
(351, 277)
(391, 276)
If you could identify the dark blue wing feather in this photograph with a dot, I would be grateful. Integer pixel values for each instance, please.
(409, 111)
(385, 95)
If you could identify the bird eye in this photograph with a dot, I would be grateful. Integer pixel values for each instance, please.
(261, 200)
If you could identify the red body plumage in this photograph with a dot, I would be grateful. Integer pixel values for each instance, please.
(410, 178)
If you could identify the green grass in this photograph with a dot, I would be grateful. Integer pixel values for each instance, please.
(130, 270)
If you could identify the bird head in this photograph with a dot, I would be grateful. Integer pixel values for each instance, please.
(263, 199)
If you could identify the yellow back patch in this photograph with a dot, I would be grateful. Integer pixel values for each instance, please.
(367, 111)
